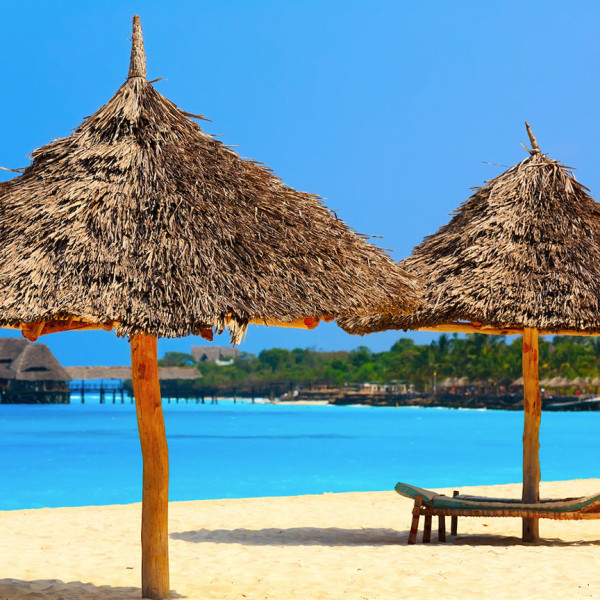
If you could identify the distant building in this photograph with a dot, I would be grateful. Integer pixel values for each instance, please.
(30, 374)
(222, 355)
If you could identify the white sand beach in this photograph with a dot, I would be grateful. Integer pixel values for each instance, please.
(329, 546)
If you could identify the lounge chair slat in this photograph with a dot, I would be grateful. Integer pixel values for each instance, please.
(491, 505)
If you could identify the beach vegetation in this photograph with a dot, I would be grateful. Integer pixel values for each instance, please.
(492, 358)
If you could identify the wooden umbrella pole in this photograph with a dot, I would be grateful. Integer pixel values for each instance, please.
(532, 405)
(155, 454)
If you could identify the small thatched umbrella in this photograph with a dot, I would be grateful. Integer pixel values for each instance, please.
(556, 382)
(448, 383)
(504, 382)
(517, 382)
(520, 256)
(462, 382)
(578, 382)
(141, 223)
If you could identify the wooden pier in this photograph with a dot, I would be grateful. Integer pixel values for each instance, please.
(114, 384)
(111, 391)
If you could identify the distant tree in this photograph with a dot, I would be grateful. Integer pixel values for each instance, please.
(478, 357)
(176, 359)
(276, 358)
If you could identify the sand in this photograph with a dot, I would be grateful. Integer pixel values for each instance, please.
(335, 546)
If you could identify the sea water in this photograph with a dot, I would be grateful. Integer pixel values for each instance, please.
(74, 455)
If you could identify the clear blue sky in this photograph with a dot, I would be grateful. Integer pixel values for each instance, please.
(389, 110)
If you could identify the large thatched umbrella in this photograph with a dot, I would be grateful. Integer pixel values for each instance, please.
(141, 223)
(520, 256)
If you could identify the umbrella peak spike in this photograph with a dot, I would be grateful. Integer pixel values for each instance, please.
(137, 63)
(535, 149)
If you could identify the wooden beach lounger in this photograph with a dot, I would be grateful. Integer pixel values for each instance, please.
(429, 503)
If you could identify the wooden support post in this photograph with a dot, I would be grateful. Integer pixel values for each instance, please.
(454, 520)
(532, 405)
(441, 528)
(414, 526)
(427, 530)
(155, 499)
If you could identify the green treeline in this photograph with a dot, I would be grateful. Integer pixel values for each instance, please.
(478, 357)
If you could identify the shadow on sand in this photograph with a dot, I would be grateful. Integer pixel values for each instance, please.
(50, 589)
(295, 536)
(333, 536)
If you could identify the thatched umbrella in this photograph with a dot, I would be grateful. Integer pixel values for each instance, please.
(578, 382)
(448, 383)
(520, 256)
(556, 382)
(141, 223)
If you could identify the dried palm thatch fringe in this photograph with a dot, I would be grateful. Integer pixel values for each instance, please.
(523, 251)
(141, 219)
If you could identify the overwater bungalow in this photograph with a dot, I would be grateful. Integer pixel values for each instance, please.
(30, 374)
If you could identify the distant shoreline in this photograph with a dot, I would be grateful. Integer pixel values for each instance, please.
(553, 404)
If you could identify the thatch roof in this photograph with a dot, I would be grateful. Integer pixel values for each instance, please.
(141, 218)
(518, 382)
(523, 251)
(214, 353)
(23, 361)
(164, 373)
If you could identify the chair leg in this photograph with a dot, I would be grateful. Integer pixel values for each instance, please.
(441, 528)
(454, 520)
(427, 530)
(414, 526)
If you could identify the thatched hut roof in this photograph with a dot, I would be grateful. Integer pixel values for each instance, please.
(141, 220)
(23, 361)
(578, 382)
(517, 382)
(164, 373)
(214, 353)
(523, 251)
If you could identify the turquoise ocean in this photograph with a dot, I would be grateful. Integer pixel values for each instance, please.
(76, 455)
